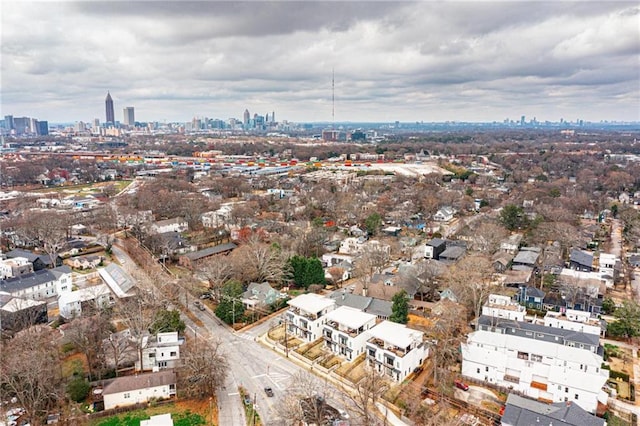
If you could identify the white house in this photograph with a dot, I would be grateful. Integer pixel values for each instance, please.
(572, 319)
(355, 246)
(161, 351)
(40, 284)
(307, 314)
(177, 224)
(140, 388)
(15, 267)
(346, 331)
(607, 265)
(445, 214)
(503, 307)
(395, 350)
(71, 303)
(544, 363)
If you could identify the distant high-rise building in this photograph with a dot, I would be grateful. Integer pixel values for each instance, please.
(246, 118)
(8, 122)
(111, 118)
(522, 120)
(96, 124)
(43, 128)
(21, 125)
(273, 116)
(129, 116)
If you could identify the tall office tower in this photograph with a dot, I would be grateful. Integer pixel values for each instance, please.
(43, 128)
(129, 116)
(111, 118)
(273, 116)
(522, 122)
(8, 122)
(96, 124)
(33, 126)
(246, 118)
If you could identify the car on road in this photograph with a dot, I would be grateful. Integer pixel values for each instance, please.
(247, 400)
(205, 296)
(198, 304)
(461, 385)
(268, 391)
(343, 414)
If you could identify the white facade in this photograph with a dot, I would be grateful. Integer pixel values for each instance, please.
(445, 214)
(503, 307)
(14, 267)
(307, 314)
(574, 320)
(346, 331)
(41, 284)
(170, 225)
(395, 350)
(131, 390)
(70, 303)
(161, 352)
(544, 363)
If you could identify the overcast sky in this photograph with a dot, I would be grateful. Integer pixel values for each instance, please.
(425, 61)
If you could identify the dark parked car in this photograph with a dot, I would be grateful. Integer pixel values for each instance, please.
(268, 391)
(461, 385)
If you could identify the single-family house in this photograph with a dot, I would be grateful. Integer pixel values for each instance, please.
(40, 284)
(530, 297)
(39, 260)
(581, 260)
(445, 214)
(160, 351)
(260, 294)
(334, 259)
(609, 266)
(395, 350)
(307, 314)
(452, 254)
(511, 244)
(545, 363)
(501, 261)
(571, 319)
(71, 304)
(527, 258)
(85, 262)
(188, 259)
(434, 248)
(176, 224)
(378, 307)
(15, 267)
(17, 313)
(345, 332)
(140, 388)
(520, 411)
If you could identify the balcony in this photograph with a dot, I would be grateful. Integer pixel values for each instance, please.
(539, 385)
(512, 379)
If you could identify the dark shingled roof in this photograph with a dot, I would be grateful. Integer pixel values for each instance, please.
(581, 257)
(140, 381)
(521, 411)
(33, 279)
(201, 254)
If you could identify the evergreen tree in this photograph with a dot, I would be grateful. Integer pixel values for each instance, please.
(400, 308)
(230, 308)
(306, 271)
(167, 321)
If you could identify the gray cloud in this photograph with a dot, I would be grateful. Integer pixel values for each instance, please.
(392, 60)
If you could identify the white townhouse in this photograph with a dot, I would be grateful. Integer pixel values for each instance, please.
(500, 306)
(574, 320)
(544, 363)
(141, 388)
(177, 224)
(40, 284)
(395, 350)
(307, 314)
(71, 303)
(161, 351)
(15, 267)
(346, 331)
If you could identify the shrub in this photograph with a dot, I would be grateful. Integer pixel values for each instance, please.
(78, 389)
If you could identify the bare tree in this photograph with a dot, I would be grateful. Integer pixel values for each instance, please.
(30, 372)
(138, 314)
(217, 270)
(87, 335)
(422, 279)
(366, 393)
(373, 258)
(46, 229)
(305, 400)
(259, 262)
(204, 367)
(470, 281)
(117, 346)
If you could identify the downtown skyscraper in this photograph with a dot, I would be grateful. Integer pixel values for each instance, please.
(109, 109)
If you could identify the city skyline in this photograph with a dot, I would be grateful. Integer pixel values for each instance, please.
(403, 61)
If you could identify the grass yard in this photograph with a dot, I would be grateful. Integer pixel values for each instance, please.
(184, 413)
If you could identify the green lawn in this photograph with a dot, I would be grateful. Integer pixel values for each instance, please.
(184, 418)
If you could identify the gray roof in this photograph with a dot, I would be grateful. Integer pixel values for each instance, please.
(534, 292)
(526, 257)
(452, 253)
(581, 257)
(31, 256)
(436, 242)
(538, 332)
(123, 280)
(201, 254)
(15, 284)
(140, 381)
(521, 411)
(378, 307)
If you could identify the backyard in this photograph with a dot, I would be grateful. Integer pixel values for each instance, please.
(184, 413)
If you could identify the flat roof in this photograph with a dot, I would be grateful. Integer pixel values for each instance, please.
(396, 334)
(84, 294)
(350, 317)
(311, 302)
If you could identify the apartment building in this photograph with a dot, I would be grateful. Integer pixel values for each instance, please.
(395, 350)
(346, 329)
(307, 314)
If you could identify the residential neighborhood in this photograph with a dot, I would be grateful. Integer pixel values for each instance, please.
(462, 288)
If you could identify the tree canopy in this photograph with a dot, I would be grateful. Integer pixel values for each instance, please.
(167, 321)
(373, 222)
(628, 321)
(230, 308)
(400, 308)
(513, 217)
(306, 271)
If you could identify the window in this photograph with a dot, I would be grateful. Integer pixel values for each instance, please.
(566, 390)
(152, 355)
(174, 353)
(486, 369)
(162, 364)
(523, 355)
(576, 396)
(127, 395)
(478, 370)
(536, 358)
